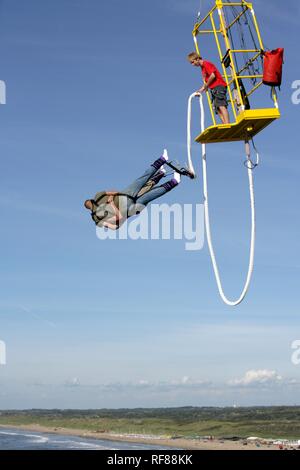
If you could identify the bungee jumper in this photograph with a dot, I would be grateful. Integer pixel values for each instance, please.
(110, 209)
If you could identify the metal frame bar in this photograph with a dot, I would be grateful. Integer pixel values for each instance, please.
(239, 51)
(208, 32)
(234, 4)
(249, 77)
(198, 25)
(254, 89)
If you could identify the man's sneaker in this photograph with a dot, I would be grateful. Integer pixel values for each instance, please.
(177, 177)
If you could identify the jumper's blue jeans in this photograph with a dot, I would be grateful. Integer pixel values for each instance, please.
(134, 188)
(128, 207)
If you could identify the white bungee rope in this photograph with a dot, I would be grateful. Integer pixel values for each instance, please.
(250, 166)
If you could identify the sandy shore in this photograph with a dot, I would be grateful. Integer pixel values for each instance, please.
(180, 443)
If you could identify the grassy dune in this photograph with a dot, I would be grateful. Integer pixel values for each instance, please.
(189, 422)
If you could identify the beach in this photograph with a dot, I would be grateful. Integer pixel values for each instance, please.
(160, 441)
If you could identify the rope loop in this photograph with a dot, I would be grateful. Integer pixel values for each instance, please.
(250, 168)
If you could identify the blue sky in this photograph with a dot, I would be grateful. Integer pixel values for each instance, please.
(95, 91)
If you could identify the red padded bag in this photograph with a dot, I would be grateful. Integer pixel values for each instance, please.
(273, 62)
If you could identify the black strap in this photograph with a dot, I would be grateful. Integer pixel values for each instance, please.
(181, 170)
(96, 202)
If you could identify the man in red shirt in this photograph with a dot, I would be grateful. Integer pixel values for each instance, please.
(213, 80)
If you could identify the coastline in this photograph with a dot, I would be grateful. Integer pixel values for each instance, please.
(180, 443)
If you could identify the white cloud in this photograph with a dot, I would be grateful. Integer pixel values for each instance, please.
(257, 377)
(185, 383)
(255, 388)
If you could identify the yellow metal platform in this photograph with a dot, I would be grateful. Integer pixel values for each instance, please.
(249, 123)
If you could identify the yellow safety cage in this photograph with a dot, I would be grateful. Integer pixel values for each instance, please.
(246, 122)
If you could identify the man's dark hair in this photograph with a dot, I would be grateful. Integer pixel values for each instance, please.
(86, 203)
